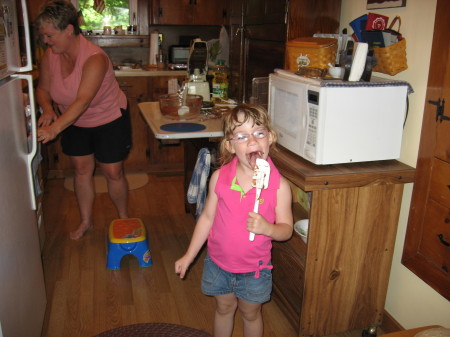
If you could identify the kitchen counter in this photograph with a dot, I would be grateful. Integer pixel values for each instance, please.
(152, 115)
(149, 72)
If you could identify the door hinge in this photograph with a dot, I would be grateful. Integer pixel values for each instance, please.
(440, 106)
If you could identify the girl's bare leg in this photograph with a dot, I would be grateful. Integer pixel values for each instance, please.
(224, 317)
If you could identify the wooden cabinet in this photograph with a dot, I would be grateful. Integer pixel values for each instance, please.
(136, 89)
(259, 30)
(338, 280)
(426, 251)
(165, 155)
(190, 12)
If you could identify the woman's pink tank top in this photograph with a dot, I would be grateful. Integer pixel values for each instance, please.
(106, 105)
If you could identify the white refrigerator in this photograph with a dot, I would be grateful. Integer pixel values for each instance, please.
(22, 289)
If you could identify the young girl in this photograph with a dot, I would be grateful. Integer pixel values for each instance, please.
(237, 271)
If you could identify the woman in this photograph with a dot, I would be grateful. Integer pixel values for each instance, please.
(78, 77)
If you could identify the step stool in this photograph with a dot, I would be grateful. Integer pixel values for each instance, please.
(127, 236)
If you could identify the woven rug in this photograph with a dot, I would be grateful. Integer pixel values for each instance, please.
(134, 181)
(154, 330)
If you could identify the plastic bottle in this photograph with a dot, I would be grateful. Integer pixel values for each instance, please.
(220, 82)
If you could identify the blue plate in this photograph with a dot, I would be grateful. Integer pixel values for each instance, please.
(182, 127)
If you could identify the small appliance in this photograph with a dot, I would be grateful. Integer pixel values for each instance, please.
(333, 121)
(178, 54)
(197, 70)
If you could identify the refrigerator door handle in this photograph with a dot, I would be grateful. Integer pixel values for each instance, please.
(33, 150)
(29, 65)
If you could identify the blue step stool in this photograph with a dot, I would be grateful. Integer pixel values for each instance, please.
(127, 236)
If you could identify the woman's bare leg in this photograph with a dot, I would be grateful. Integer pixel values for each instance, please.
(117, 186)
(84, 190)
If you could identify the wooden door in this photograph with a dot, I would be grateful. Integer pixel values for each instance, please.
(210, 12)
(174, 12)
(426, 251)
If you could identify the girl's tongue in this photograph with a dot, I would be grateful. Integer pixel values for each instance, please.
(252, 156)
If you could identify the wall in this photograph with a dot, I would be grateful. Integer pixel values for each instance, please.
(409, 300)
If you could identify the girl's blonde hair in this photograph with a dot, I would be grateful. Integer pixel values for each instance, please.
(238, 116)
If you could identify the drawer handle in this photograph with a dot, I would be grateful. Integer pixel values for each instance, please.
(441, 238)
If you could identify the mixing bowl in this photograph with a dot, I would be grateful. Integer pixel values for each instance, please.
(171, 104)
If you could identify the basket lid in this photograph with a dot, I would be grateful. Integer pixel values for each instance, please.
(311, 42)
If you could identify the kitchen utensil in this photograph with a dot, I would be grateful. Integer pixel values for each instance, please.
(260, 180)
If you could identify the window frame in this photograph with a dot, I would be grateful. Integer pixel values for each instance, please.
(133, 10)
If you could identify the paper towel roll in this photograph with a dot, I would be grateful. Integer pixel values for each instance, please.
(359, 61)
(154, 47)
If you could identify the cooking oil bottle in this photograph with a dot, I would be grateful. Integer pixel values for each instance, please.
(220, 83)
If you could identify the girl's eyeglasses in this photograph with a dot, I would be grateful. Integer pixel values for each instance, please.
(244, 137)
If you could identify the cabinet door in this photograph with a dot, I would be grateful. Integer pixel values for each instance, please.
(190, 12)
(264, 47)
(165, 156)
(174, 12)
(136, 89)
(264, 12)
(210, 12)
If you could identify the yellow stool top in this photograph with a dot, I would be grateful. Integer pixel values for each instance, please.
(127, 230)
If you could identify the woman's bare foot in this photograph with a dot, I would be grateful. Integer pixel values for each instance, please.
(80, 231)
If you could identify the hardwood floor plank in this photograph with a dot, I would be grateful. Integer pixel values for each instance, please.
(85, 298)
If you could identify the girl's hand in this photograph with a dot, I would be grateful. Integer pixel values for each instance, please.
(257, 224)
(47, 118)
(182, 265)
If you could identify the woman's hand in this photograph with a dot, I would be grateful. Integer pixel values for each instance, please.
(46, 134)
(47, 118)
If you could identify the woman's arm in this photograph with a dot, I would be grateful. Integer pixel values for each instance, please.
(43, 93)
(202, 228)
(94, 71)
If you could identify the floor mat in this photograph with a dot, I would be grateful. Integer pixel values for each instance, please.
(135, 181)
(154, 330)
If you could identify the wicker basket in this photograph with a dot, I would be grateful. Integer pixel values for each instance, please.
(391, 60)
(314, 52)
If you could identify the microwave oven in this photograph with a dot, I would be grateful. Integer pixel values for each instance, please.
(334, 122)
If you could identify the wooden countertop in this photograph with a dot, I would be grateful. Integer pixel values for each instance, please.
(149, 72)
(152, 115)
(301, 172)
(310, 177)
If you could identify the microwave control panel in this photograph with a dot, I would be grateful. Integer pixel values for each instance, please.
(313, 115)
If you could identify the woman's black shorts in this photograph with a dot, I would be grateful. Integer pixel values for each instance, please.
(110, 143)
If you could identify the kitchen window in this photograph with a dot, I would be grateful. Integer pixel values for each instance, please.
(99, 13)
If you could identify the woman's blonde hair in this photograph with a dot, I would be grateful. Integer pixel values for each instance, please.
(236, 117)
(60, 14)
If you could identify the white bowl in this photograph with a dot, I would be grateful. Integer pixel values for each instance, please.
(301, 228)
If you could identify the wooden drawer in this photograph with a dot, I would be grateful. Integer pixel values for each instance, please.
(440, 182)
(289, 277)
(436, 236)
(134, 87)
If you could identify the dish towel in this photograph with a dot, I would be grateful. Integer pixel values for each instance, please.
(198, 186)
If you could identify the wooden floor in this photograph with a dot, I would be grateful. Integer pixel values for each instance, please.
(84, 298)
